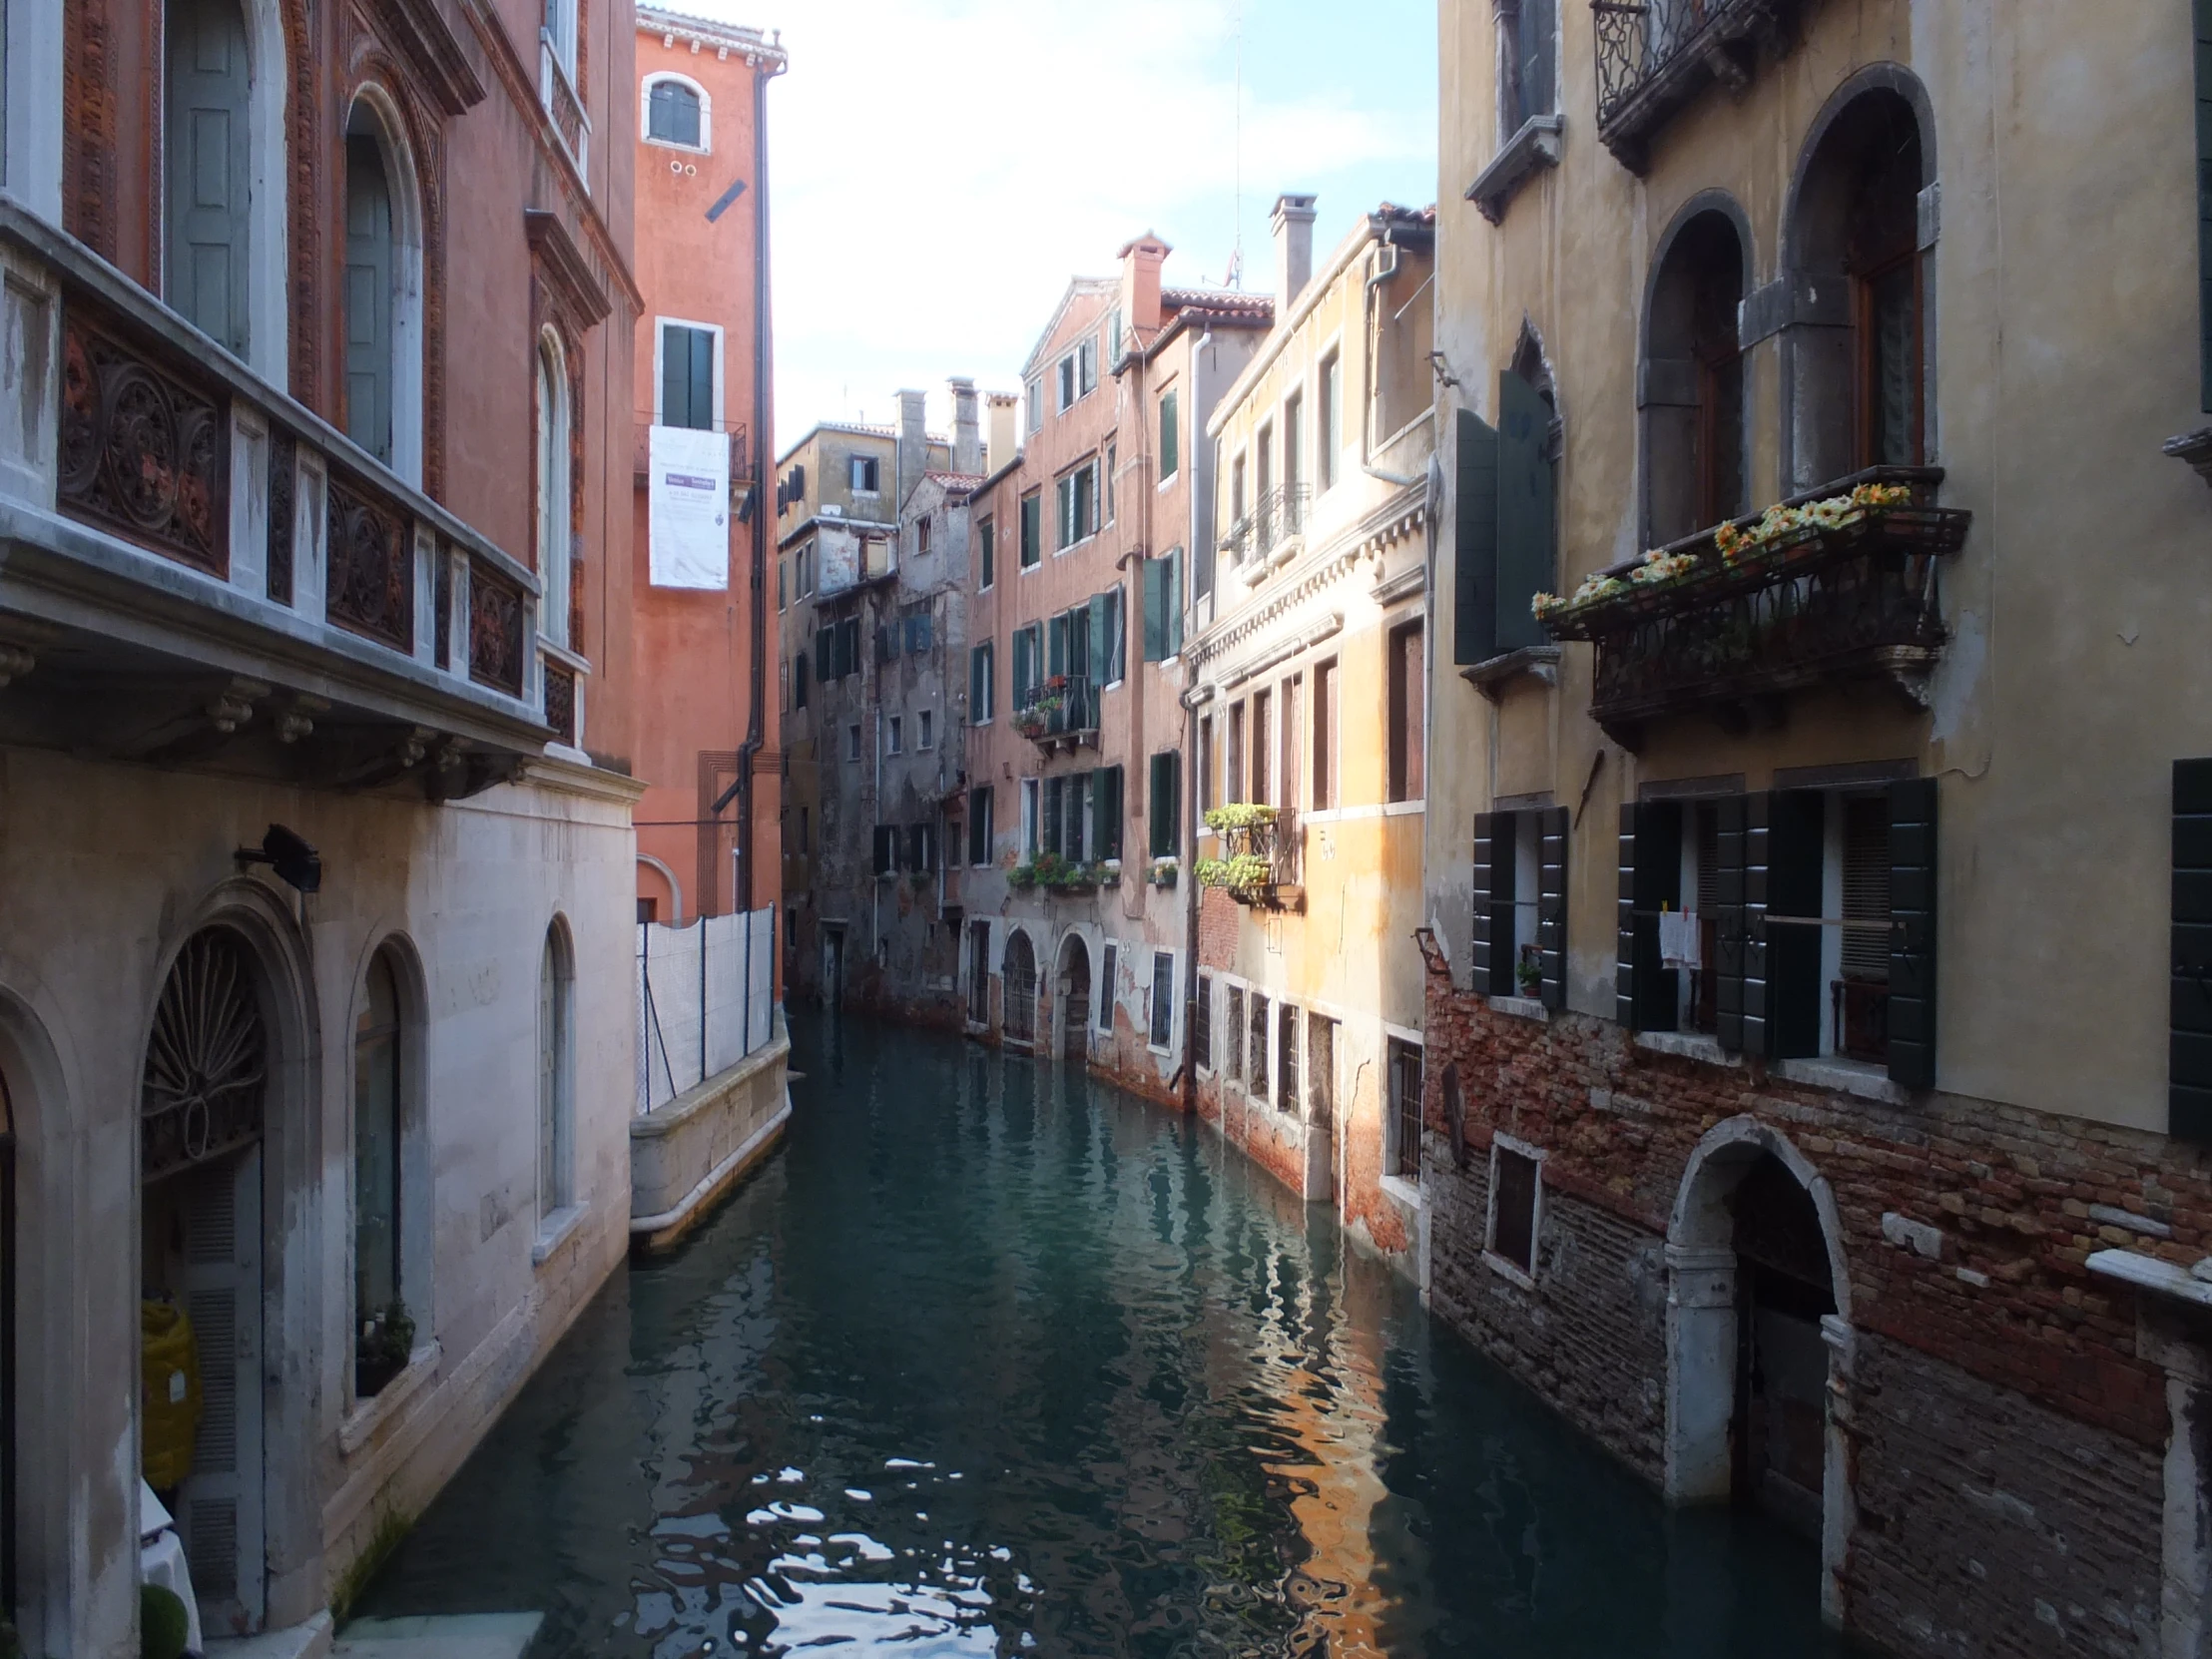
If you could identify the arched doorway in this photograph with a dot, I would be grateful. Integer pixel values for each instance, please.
(1021, 989)
(1782, 1294)
(203, 1099)
(1072, 1001)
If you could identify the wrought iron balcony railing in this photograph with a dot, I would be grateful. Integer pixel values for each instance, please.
(197, 569)
(1829, 588)
(1062, 712)
(1654, 56)
(1274, 518)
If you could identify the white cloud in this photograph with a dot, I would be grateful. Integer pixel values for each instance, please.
(941, 167)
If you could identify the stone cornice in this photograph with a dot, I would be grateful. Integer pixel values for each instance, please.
(417, 31)
(1401, 516)
(575, 284)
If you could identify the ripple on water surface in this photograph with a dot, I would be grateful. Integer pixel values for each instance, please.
(992, 1359)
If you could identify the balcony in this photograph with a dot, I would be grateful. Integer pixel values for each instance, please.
(1655, 56)
(1835, 586)
(1261, 857)
(198, 571)
(1270, 533)
(557, 92)
(1062, 713)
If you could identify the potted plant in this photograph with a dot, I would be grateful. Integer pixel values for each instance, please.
(1528, 975)
(1163, 872)
(387, 1344)
(1023, 875)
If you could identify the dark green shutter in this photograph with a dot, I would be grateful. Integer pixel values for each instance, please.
(1731, 942)
(1475, 537)
(976, 711)
(1170, 438)
(1487, 828)
(1106, 810)
(1164, 802)
(2189, 1050)
(825, 655)
(2203, 10)
(1911, 1010)
(1155, 610)
(1551, 907)
(1054, 788)
(1798, 825)
(990, 550)
(978, 826)
(1653, 882)
(1624, 923)
(1099, 665)
(1056, 645)
(1115, 664)
(1026, 669)
(1524, 510)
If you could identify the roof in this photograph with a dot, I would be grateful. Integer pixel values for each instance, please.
(689, 27)
(955, 481)
(1260, 307)
(1079, 287)
(852, 429)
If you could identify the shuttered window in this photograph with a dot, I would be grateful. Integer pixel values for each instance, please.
(687, 376)
(1865, 919)
(1163, 999)
(1504, 524)
(1109, 971)
(986, 537)
(672, 114)
(1256, 1061)
(1286, 1059)
(1231, 1025)
(1171, 436)
(979, 826)
(1032, 529)
(1202, 1025)
(979, 683)
(1106, 810)
(368, 291)
(886, 849)
(1163, 606)
(1164, 802)
(2189, 1048)
(1407, 705)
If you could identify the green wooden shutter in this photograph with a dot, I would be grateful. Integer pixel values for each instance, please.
(976, 710)
(1730, 941)
(825, 651)
(1056, 645)
(1163, 802)
(209, 167)
(1474, 543)
(1911, 1010)
(1155, 610)
(990, 550)
(1106, 809)
(1100, 641)
(1796, 827)
(2203, 10)
(1054, 790)
(1026, 669)
(1171, 437)
(369, 289)
(1116, 666)
(1524, 511)
(1493, 860)
(1551, 907)
(978, 833)
(1624, 923)
(1174, 601)
(1655, 882)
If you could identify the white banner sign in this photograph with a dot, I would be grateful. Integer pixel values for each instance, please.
(689, 503)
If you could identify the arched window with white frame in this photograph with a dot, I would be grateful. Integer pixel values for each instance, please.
(382, 292)
(677, 111)
(556, 1076)
(553, 487)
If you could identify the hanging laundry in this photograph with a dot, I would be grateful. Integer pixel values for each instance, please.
(1678, 940)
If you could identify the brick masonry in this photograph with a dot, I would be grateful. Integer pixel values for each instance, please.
(2007, 1436)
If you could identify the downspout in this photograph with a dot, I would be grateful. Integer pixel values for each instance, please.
(1199, 471)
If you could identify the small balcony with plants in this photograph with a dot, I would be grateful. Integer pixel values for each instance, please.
(1654, 57)
(1060, 712)
(1836, 587)
(1259, 862)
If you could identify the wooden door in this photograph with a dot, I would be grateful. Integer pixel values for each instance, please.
(219, 1506)
(207, 90)
(369, 289)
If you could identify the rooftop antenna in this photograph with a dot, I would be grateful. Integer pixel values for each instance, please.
(1235, 253)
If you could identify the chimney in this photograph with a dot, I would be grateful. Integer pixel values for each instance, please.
(1292, 224)
(914, 445)
(1140, 285)
(967, 442)
(1002, 406)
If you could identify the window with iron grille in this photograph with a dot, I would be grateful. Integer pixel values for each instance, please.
(1231, 1025)
(1202, 1025)
(1286, 1059)
(1514, 1180)
(1404, 1066)
(1109, 969)
(1255, 1062)
(1163, 999)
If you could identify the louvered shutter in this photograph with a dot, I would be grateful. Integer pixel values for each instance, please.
(369, 289)
(1174, 586)
(979, 835)
(2189, 1041)
(1474, 543)
(1054, 787)
(1056, 645)
(1524, 510)
(1911, 1010)
(1106, 809)
(1164, 800)
(1656, 882)
(1797, 820)
(2203, 9)
(1551, 907)
(1099, 665)
(1155, 610)
(976, 710)
(1730, 941)
(1486, 853)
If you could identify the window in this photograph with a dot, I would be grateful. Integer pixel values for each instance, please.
(687, 376)
(1171, 456)
(1233, 1030)
(1162, 1028)
(921, 848)
(978, 970)
(675, 112)
(918, 626)
(211, 165)
(783, 573)
(980, 686)
(1078, 503)
(986, 537)
(1504, 534)
(804, 831)
(1320, 1069)
(1233, 782)
(1286, 1059)
(1263, 738)
(1064, 374)
(805, 561)
(1287, 786)
(376, 1166)
(1693, 382)
(560, 30)
(1402, 1064)
(1406, 737)
(1521, 904)
(1035, 405)
(864, 473)
(1529, 50)
(1294, 462)
(1202, 1025)
(1163, 606)
(1032, 528)
(1516, 1184)
(649, 910)
(1237, 493)
(922, 535)
(1079, 373)
(1032, 819)
(553, 489)
(1113, 336)
(898, 730)
(979, 826)
(1256, 1060)
(1164, 803)
(886, 849)
(1208, 793)
(1110, 958)
(852, 741)
(1329, 422)
(925, 736)
(1106, 482)
(1028, 664)
(371, 279)
(1326, 678)
(556, 1066)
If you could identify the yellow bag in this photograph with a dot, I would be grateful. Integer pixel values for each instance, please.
(169, 1378)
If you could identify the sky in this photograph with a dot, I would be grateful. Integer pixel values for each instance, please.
(939, 169)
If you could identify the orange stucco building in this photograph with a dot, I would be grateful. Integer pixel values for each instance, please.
(707, 745)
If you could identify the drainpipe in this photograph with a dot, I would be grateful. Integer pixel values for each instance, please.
(1191, 699)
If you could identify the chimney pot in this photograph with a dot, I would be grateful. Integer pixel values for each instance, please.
(967, 442)
(1292, 224)
(914, 445)
(1002, 406)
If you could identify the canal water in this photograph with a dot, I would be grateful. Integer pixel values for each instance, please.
(991, 1359)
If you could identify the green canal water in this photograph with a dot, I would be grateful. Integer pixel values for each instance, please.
(990, 1359)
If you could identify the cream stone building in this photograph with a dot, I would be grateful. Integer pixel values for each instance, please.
(1815, 1028)
(1309, 677)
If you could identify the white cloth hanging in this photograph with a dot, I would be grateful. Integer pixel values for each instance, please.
(162, 1561)
(1678, 940)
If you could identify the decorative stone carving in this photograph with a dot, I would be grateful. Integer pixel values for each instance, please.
(284, 475)
(494, 629)
(371, 551)
(560, 700)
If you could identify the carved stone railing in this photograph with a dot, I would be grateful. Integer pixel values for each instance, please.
(558, 94)
(154, 488)
(1654, 56)
(1820, 603)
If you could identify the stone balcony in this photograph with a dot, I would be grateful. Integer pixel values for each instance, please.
(1654, 57)
(195, 570)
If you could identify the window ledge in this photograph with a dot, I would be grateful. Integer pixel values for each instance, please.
(1521, 1007)
(555, 1231)
(1507, 1271)
(1521, 157)
(673, 144)
(1408, 1193)
(1847, 1076)
(1401, 809)
(1490, 677)
(2195, 448)
(359, 1425)
(1689, 1045)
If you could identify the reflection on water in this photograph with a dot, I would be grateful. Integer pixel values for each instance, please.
(992, 1360)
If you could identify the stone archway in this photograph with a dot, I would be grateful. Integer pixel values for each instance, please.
(1020, 1018)
(1759, 1338)
(1071, 1003)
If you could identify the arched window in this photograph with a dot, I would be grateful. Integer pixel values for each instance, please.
(371, 275)
(675, 112)
(556, 1081)
(1021, 988)
(208, 141)
(1857, 363)
(1692, 386)
(553, 488)
(381, 1325)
